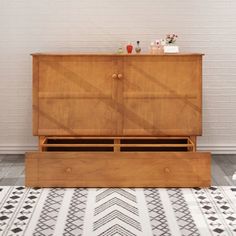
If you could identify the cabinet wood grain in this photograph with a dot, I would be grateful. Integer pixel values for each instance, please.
(137, 95)
(63, 169)
(107, 120)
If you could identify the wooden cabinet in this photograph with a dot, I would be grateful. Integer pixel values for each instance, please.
(83, 95)
(118, 105)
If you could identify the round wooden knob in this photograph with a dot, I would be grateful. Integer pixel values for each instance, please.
(167, 170)
(114, 76)
(68, 170)
(120, 76)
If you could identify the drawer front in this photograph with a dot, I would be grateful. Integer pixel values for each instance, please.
(73, 169)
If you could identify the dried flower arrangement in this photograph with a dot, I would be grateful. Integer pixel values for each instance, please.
(171, 38)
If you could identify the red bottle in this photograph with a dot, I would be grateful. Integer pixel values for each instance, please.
(129, 48)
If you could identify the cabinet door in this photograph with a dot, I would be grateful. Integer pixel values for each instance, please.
(162, 95)
(75, 95)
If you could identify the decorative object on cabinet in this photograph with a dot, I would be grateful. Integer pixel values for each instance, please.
(171, 39)
(108, 120)
(120, 50)
(138, 48)
(156, 47)
(129, 48)
(153, 48)
(170, 46)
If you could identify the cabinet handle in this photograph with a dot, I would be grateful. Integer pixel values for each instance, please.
(120, 76)
(167, 170)
(68, 170)
(114, 76)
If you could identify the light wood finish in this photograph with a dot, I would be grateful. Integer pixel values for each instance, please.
(119, 76)
(76, 95)
(136, 169)
(115, 137)
(194, 141)
(136, 116)
(31, 171)
(42, 141)
(114, 76)
(35, 99)
(162, 95)
(141, 95)
(71, 54)
(116, 143)
(13, 170)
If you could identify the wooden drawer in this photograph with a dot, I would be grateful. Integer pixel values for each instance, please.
(117, 169)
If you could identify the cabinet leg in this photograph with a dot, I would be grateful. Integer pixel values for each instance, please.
(116, 148)
(194, 140)
(41, 142)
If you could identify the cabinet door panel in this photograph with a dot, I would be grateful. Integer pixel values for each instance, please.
(77, 117)
(76, 95)
(162, 94)
(140, 117)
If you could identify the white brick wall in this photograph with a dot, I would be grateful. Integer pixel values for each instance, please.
(27, 26)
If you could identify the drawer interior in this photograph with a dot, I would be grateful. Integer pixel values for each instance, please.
(117, 144)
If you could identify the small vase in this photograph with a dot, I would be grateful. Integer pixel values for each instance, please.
(153, 49)
(129, 48)
(138, 48)
(120, 50)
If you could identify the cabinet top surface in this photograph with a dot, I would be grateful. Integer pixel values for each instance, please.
(113, 54)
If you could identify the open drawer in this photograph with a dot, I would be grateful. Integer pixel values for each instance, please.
(117, 164)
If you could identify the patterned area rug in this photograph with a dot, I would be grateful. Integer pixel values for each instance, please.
(128, 212)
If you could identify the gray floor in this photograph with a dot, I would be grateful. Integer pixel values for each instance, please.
(12, 170)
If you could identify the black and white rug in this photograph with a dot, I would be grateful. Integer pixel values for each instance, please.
(107, 212)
